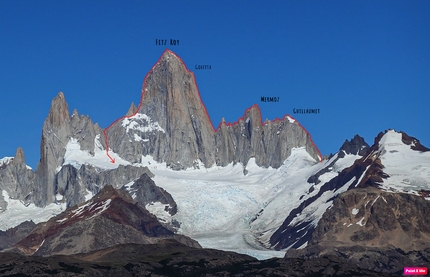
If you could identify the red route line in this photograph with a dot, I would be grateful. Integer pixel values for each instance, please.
(206, 111)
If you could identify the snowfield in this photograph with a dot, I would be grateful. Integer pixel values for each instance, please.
(77, 157)
(222, 208)
(226, 209)
(409, 170)
(16, 212)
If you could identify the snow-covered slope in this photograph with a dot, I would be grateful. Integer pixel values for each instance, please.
(251, 209)
(17, 212)
(222, 208)
(77, 157)
(396, 163)
(408, 169)
(5, 161)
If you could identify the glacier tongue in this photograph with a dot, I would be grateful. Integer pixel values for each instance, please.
(217, 206)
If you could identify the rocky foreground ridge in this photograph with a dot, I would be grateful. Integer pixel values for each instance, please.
(373, 229)
(110, 218)
(171, 258)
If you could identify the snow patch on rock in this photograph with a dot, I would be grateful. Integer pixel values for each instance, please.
(141, 122)
(77, 157)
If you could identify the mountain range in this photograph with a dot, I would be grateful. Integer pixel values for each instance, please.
(163, 178)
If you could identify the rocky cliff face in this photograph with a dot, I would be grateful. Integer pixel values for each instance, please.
(172, 125)
(269, 143)
(372, 217)
(16, 178)
(74, 185)
(356, 146)
(57, 130)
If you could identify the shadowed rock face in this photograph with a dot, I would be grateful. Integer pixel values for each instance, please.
(171, 258)
(73, 183)
(15, 234)
(375, 229)
(111, 217)
(357, 146)
(172, 126)
(39, 187)
(144, 191)
(376, 218)
(414, 143)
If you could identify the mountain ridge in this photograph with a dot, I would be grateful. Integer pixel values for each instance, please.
(110, 217)
(272, 168)
(178, 129)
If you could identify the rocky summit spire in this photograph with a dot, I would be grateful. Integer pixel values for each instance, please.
(59, 111)
(132, 110)
(19, 157)
(173, 126)
(58, 129)
(357, 146)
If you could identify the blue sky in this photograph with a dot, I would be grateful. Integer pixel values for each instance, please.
(364, 64)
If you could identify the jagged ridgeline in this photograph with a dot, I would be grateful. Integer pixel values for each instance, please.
(172, 125)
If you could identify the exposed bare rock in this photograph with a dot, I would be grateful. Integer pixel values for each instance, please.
(357, 146)
(374, 229)
(295, 233)
(132, 110)
(19, 157)
(373, 217)
(414, 143)
(389, 153)
(74, 184)
(15, 234)
(270, 143)
(172, 125)
(17, 179)
(144, 192)
(111, 217)
(58, 128)
(171, 258)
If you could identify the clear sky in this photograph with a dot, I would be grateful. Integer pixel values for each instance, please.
(364, 64)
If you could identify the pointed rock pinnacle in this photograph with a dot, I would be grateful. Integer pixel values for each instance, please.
(19, 157)
(132, 110)
(59, 111)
